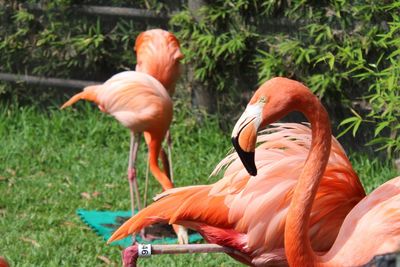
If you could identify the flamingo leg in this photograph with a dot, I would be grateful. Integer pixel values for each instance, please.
(146, 184)
(181, 232)
(132, 179)
(131, 254)
(169, 147)
(133, 184)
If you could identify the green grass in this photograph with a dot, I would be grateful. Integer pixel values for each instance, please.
(372, 172)
(49, 158)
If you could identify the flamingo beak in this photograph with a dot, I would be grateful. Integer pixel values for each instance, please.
(244, 136)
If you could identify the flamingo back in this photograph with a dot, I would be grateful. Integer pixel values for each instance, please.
(158, 54)
(137, 100)
(371, 228)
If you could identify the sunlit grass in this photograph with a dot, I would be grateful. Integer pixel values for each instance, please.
(49, 158)
(372, 171)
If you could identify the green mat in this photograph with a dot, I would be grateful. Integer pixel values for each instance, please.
(104, 223)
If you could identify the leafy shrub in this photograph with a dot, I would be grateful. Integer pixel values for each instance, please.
(59, 42)
(347, 52)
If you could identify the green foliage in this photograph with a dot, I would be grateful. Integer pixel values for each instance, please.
(346, 51)
(372, 172)
(218, 56)
(381, 77)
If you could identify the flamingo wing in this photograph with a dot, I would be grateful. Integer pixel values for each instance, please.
(191, 204)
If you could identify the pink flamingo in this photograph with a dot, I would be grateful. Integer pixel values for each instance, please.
(246, 215)
(158, 54)
(140, 103)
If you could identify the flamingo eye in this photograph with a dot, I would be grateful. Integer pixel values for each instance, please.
(263, 99)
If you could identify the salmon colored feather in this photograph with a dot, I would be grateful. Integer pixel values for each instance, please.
(248, 213)
(89, 93)
(136, 99)
(158, 54)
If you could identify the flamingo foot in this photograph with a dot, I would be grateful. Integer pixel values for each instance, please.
(134, 241)
(182, 234)
(130, 255)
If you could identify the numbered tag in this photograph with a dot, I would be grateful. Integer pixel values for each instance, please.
(144, 250)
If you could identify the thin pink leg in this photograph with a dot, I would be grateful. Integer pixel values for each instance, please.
(131, 174)
(132, 179)
(169, 147)
(133, 184)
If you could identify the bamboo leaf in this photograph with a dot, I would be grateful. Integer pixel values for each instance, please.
(348, 120)
(380, 127)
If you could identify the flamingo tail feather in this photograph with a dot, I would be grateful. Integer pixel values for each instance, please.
(89, 93)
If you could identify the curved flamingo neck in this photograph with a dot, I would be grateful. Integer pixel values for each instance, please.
(168, 78)
(154, 151)
(163, 69)
(170, 86)
(297, 243)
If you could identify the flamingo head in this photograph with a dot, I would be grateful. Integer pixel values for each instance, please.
(272, 101)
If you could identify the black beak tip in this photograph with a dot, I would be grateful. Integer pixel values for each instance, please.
(247, 158)
(252, 172)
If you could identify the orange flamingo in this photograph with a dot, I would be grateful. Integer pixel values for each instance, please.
(158, 54)
(246, 215)
(372, 227)
(140, 103)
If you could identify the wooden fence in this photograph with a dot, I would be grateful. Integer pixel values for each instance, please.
(109, 11)
(88, 10)
(56, 82)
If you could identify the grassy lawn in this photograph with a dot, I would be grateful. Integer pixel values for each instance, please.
(53, 162)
